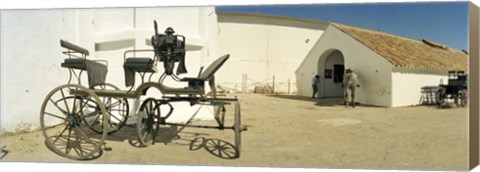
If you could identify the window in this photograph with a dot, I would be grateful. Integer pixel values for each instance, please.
(328, 73)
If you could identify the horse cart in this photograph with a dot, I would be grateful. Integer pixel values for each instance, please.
(76, 119)
(456, 89)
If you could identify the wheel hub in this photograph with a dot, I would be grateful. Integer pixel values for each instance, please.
(73, 120)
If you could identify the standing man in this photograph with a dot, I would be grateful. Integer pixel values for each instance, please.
(315, 81)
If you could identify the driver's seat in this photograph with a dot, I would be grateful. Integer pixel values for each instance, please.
(196, 85)
(207, 74)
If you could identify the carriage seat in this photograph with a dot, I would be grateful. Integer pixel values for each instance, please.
(96, 71)
(208, 73)
(142, 65)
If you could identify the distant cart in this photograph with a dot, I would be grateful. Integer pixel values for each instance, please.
(455, 89)
(75, 119)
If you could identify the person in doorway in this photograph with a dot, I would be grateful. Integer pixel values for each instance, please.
(315, 81)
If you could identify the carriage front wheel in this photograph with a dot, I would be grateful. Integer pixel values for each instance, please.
(62, 121)
(148, 121)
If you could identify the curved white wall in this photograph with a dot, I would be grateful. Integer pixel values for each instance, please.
(262, 47)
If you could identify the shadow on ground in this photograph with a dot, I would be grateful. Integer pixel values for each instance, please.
(318, 101)
(3, 152)
(174, 136)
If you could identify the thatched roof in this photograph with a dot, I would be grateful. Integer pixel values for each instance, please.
(408, 53)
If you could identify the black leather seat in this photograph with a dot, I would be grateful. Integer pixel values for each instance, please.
(75, 63)
(97, 72)
(198, 83)
(140, 64)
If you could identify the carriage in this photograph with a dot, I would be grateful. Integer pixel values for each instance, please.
(456, 89)
(76, 119)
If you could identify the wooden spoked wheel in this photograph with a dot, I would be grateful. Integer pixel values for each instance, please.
(148, 121)
(62, 121)
(117, 109)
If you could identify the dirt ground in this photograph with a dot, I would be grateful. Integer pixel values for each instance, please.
(292, 131)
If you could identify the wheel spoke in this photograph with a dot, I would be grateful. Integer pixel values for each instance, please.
(96, 113)
(56, 116)
(96, 119)
(82, 106)
(68, 139)
(75, 101)
(84, 135)
(79, 142)
(58, 107)
(76, 151)
(219, 148)
(115, 117)
(227, 150)
(118, 102)
(61, 133)
(64, 100)
(109, 103)
(118, 110)
(220, 152)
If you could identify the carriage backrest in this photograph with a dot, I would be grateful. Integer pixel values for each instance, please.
(76, 48)
(213, 67)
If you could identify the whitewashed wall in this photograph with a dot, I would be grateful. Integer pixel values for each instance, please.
(31, 52)
(123, 29)
(263, 46)
(31, 57)
(407, 84)
(374, 72)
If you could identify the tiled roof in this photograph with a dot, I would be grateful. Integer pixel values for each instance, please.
(408, 53)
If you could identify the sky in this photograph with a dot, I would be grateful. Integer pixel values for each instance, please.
(442, 22)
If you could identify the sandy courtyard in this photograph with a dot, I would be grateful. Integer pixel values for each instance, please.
(291, 131)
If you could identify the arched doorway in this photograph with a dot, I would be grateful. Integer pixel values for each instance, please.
(331, 65)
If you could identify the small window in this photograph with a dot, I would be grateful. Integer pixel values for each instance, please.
(338, 71)
(328, 73)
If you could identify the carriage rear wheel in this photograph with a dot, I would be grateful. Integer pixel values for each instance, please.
(148, 121)
(62, 122)
(117, 109)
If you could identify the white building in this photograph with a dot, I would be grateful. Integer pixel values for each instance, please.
(391, 69)
(31, 52)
